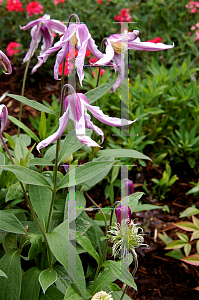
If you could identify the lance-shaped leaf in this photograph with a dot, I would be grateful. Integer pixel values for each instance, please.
(175, 245)
(30, 286)
(122, 153)
(188, 226)
(96, 93)
(192, 259)
(10, 223)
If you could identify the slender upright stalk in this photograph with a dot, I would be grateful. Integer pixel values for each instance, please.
(29, 204)
(25, 75)
(102, 49)
(133, 273)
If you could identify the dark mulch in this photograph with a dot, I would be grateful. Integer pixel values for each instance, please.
(158, 276)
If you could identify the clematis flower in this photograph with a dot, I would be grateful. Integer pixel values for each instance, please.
(123, 212)
(3, 117)
(45, 30)
(115, 48)
(79, 35)
(76, 109)
(5, 62)
(102, 296)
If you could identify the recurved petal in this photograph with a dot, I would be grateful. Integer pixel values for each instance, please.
(120, 67)
(106, 57)
(148, 46)
(112, 121)
(63, 121)
(131, 36)
(93, 49)
(6, 63)
(31, 24)
(3, 116)
(90, 125)
(56, 26)
(33, 46)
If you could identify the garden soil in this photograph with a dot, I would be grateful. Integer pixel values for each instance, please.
(158, 276)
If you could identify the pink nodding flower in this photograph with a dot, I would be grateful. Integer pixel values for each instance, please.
(3, 117)
(34, 8)
(123, 213)
(14, 5)
(76, 106)
(6, 63)
(12, 48)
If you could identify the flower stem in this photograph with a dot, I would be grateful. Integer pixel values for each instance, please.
(98, 76)
(29, 204)
(133, 273)
(25, 75)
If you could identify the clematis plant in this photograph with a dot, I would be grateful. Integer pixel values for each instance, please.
(6, 63)
(42, 26)
(76, 106)
(3, 117)
(116, 46)
(80, 37)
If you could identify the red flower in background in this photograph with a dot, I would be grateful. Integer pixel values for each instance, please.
(12, 48)
(58, 1)
(34, 8)
(93, 60)
(156, 40)
(101, 72)
(123, 16)
(68, 68)
(15, 5)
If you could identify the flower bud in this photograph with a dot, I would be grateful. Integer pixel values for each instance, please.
(68, 159)
(3, 116)
(129, 187)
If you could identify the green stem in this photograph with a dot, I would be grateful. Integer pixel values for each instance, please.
(25, 74)
(133, 273)
(29, 204)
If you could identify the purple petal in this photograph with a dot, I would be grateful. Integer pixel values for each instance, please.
(5, 62)
(106, 57)
(56, 26)
(31, 24)
(129, 187)
(32, 49)
(148, 46)
(123, 213)
(93, 49)
(120, 67)
(90, 125)
(3, 116)
(76, 107)
(98, 114)
(121, 37)
(66, 167)
(63, 121)
(47, 43)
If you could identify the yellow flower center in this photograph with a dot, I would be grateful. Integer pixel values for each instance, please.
(74, 40)
(119, 47)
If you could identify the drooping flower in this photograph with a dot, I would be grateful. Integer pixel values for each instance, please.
(15, 5)
(3, 117)
(129, 187)
(76, 109)
(5, 62)
(12, 48)
(47, 26)
(102, 296)
(79, 35)
(117, 44)
(34, 8)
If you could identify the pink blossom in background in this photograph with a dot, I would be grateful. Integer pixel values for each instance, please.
(34, 8)
(68, 68)
(12, 48)
(197, 25)
(193, 27)
(197, 36)
(101, 72)
(193, 10)
(156, 40)
(123, 16)
(15, 5)
(88, 53)
(189, 33)
(58, 1)
(93, 60)
(193, 5)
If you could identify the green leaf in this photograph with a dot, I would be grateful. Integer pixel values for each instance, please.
(62, 255)
(47, 278)
(132, 200)
(30, 286)
(196, 222)
(26, 175)
(188, 226)
(10, 263)
(3, 274)
(190, 211)
(83, 173)
(52, 293)
(20, 149)
(27, 130)
(175, 245)
(121, 273)
(10, 223)
(34, 104)
(177, 254)
(141, 207)
(86, 244)
(10, 241)
(98, 92)
(103, 279)
(40, 197)
(183, 237)
(42, 126)
(195, 235)
(192, 259)
(166, 239)
(39, 162)
(11, 141)
(122, 153)
(187, 249)
(14, 192)
(72, 294)
(36, 245)
(2, 161)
